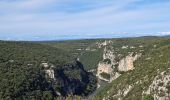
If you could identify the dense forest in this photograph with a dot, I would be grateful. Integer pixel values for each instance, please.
(23, 76)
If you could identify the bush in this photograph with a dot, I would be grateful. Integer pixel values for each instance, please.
(148, 97)
(105, 75)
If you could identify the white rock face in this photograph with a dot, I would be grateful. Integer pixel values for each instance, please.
(105, 43)
(141, 46)
(126, 63)
(50, 73)
(132, 47)
(45, 65)
(107, 68)
(108, 65)
(104, 67)
(109, 54)
(125, 47)
(158, 88)
(49, 70)
(127, 90)
(155, 46)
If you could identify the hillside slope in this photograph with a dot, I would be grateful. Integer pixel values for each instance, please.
(126, 68)
(34, 71)
(134, 84)
(129, 67)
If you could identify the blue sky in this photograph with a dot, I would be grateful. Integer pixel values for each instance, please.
(72, 19)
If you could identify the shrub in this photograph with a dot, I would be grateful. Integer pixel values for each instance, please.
(148, 97)
(105, 75)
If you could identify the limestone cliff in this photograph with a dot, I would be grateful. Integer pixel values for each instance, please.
(109, 54)
(107, 65)
(126, 63)
(112, 63)
(104, 67)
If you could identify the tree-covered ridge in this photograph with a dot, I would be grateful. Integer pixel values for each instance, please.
(23, 76)
(31, 51)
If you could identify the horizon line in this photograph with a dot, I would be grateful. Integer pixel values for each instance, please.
(92, 38)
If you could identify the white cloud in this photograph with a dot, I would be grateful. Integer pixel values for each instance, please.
(32, 16)
(164, 33)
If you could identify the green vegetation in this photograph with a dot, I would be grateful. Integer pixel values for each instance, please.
(148, 97)
(77, 48)
(90, 59)
(105, 75)
(155, 55)
(153, 58)
(168, 88)
(107, 61)
(23, 77)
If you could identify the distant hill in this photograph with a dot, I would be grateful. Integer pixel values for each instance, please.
(166, 36)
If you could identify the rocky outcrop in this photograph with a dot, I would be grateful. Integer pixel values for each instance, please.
(70, 79)
(107, 64)
(49, 71)
(75, 80)
(105, 43)
(104, 67)
(160, 87)
(126, 63)
(114, 76)
(111, 66)
(125, 47)
(108, 53)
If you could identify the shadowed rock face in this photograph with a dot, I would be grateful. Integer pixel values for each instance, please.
(70, 79)
(73, 79)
